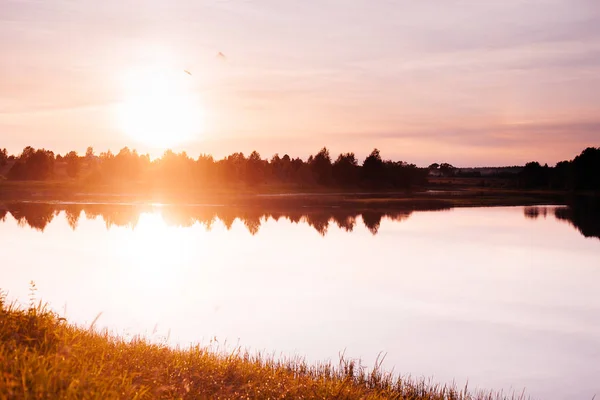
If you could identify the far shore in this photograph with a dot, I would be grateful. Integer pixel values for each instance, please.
(429, 197)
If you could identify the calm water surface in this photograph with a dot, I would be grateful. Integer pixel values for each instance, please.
(504, 298)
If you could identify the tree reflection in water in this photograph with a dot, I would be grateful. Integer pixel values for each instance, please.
(39, 215)
(582, 213)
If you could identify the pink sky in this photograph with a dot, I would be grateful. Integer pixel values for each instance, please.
(467, 82)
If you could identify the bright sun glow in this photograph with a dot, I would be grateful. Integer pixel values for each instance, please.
(160, 108)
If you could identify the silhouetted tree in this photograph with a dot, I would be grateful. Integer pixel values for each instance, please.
(205, 169)
(175, 169)
(533, 175)
(345, 170)
(127, 165)
(447, 169)
(403, 175)
(73, 164)
(562, 176)
(254, 169)
(91, 159)
(3, 157)
(233, 168)
(33, 164)
(373, 169)
(586, 169)
(321, 167)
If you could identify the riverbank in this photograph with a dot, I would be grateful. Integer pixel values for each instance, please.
(43, 356)
(281, 196)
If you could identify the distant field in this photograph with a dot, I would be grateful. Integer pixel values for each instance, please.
(284, 196)
(457, 182)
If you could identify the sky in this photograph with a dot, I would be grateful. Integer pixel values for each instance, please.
(473, 83)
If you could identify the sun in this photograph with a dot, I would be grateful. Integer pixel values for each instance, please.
(159, 109)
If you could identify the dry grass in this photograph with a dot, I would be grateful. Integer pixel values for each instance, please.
(44, 357)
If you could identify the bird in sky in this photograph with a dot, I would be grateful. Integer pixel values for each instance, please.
(220, 56)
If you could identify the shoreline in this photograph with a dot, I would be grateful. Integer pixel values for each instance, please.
(429, 197)
(46, 356)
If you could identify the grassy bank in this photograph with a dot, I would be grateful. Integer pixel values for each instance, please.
(279, 196)
(44, 357)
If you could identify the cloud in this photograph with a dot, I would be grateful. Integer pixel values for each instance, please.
(501, 134)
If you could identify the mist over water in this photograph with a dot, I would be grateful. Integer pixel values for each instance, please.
(504, 298)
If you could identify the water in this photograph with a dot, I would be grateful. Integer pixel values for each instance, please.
(505, 298)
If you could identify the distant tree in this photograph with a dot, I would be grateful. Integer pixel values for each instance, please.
(127, 165)
(320, 166)
(73, 164)
(402, 175)
(561, 176)
(3, 157)
(274, 168)
(89, 153)
(205, 169)
(434, 166)
(287, 168)
(125, 152)
(586, 169)
(173, 169)
(33, 164)
(534, 175)
(345, 170)
(373, 169)
(447, 169)
(107, 155)
(254, 168)
(27, 153)
(303, 173)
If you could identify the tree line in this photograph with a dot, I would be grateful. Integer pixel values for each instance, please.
(581, 173)
(374, 173)
(180, 169)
